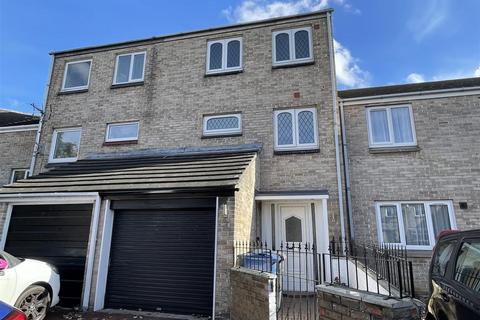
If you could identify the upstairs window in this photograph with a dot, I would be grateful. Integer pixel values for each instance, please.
(415, 225)
(224, 55)
(65, 145)
(391, 126)
(295, 129)
(77, 75)
(228, 124)
(129, 68)
(126, 131)
(292, 46)
(18, 174)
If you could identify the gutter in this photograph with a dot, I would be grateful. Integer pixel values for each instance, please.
(335, 125)
(36, 146)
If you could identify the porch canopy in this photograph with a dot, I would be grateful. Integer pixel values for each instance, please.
(207, 171)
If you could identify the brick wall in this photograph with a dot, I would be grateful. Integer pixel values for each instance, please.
(254, 295)
(338, 303)
(445, 167)
(176, 94)
(15, 152)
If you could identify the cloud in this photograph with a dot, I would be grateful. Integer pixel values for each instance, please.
(415, 78)
(349, 73)
(428, 16)
(458, 74)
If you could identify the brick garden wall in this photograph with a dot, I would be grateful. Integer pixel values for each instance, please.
(254, 295)
(342, 304)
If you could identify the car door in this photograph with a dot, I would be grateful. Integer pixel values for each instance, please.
(8, 282)
(464, 291)
(439, 303)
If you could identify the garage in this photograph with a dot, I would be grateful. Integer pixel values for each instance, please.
(57, 234)
(162, 256)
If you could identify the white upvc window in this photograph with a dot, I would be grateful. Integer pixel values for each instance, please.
(292, 46)
(224, 55)
(413, 224)
(391, 126)
(65, 145)
(125, 131)
(76, 75)
(18, 174)
(129, 68)
(225, 124)
(295, 129)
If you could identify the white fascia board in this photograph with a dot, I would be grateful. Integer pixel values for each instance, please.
(408, 96)
(291, 197)
(55, 197)
(28, 127)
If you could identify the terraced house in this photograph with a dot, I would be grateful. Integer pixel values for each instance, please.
(156, 155)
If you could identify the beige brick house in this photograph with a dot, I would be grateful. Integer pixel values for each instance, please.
(156, 155)
(17, 138)
(413, 157)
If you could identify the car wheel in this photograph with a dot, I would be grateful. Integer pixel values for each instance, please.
(34, 302)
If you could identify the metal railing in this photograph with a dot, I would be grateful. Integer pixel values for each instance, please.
(383, 269)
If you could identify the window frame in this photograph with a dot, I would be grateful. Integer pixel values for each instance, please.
(295, 145)
(65, 76)
(401, 227)
(117, 124)
(291, 37)
(12, 174)
(224, 68)
(222, 132)
(130, 70)
(391, 143)
(51, 156)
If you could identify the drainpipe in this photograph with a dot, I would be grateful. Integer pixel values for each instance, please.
(346, 172)
(36, 146)
(335, 125)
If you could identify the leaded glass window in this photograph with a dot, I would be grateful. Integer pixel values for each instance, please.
(222, 124)
(295, 129)
(224, 55)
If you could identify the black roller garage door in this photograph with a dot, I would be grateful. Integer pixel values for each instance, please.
(57, 234)
(162, 256)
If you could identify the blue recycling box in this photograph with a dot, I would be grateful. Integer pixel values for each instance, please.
(265, 261)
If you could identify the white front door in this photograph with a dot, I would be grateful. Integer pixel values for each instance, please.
(294, 234)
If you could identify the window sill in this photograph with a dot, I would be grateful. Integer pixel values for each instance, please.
(294, 151)
(293, 64)
(222, 73)
(221, 136)
(416, 253)
(128, 84)
(61, 93)
(59, 163)
(119, 143)
(394, 149)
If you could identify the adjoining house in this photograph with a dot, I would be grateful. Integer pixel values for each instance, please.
(413, 160)
(158, 154)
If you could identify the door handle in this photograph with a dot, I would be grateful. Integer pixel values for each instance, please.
(444, 297)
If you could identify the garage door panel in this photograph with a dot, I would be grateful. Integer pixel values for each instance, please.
(175, 254)
(57, 234)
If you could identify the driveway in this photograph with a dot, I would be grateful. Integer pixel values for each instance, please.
(68, 314)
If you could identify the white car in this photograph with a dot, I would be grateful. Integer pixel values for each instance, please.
(30, 285)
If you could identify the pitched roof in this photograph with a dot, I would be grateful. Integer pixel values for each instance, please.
(9, 118)
(410, 88)
(146, 174)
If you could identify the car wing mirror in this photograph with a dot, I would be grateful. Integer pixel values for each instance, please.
(3, 264)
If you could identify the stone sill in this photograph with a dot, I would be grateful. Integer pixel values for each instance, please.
(221, 136)
(223, 73)
(61, 93)
(375, 150)
(128, 84)
(287, 152)
(119, 143)
(293, 65)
